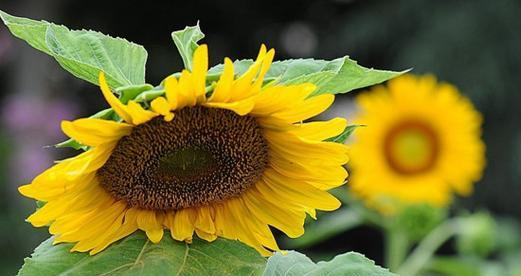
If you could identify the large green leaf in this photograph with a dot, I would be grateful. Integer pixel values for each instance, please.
(186, 42)
(341, 75)
(297, 264)
(136, 255)
(83, 53)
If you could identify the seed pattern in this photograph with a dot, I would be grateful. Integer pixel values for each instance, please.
(234, 150)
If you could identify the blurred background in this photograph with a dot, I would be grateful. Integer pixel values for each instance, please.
(472, 44)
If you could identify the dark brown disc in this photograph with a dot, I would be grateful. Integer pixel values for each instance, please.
(202, 156)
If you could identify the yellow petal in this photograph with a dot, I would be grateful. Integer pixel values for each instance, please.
(183, 225)
(49, 212)
(93, 132)
(241, 107)
(160, 105)
(307, 109)
(139, 114)
(260, 231)
(299, 192)
(275, 197)
(88, 244)
(114, 102)
(96, 224)
(223, 225)
(237, 211)
(204, 220)
(291, 145)
(280, 98)
(147, 221)
(171, 87)
(243, 85)
(222, 93)
(323, 178)
(266, 63)
(185, 90)
(286, 220)
(88, 161)
(200, 69)
(319, 131)
(129, 226)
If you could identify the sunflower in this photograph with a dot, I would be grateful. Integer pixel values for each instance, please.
(228, 160)
(421, 144)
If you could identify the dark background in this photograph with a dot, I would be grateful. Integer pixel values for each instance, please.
(473, 44)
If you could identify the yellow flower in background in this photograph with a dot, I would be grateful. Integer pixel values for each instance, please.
(421, 144)
(227, 163)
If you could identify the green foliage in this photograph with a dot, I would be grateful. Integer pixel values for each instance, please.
(137, 255)
(341, 75)
(508, 234)
(186, 42)
(417, 220)
(455, 266)
(128, 93)
(349, 264)
(83, 53)
(477, 235)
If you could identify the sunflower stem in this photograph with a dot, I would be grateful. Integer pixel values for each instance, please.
(397, 245)
(428, 246)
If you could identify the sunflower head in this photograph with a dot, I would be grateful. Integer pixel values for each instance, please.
(422, 144)
(225, 159)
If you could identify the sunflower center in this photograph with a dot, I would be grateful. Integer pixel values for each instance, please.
(411, 147)
(203, 155)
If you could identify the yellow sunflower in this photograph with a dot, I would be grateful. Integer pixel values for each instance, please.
(227, 162)
(421, 144)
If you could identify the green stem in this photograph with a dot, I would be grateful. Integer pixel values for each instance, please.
(396, 247)
(428, 246)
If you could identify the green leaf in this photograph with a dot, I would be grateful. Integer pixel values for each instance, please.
(328, 225)
(70, 143)
(128, 93)
(136, 255)
(348, 264)
(83, 53)
(342, 137)
(477, 235)
(186, 42)
(32, 31)
(467, 266)
(341, 75)
(149, 95)
(417, 220)
(349, 76)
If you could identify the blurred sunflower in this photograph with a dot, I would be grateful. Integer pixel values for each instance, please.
(421, 144)
(228, 162)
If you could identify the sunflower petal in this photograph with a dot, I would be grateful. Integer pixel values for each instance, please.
(139, 114)
(319, 131)
(307, 109)
(221, 93)
(200, 69)
(183, 225)
(92, 132)
(160, 105)
(148, 222)
(114, 102)
(241, 107)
